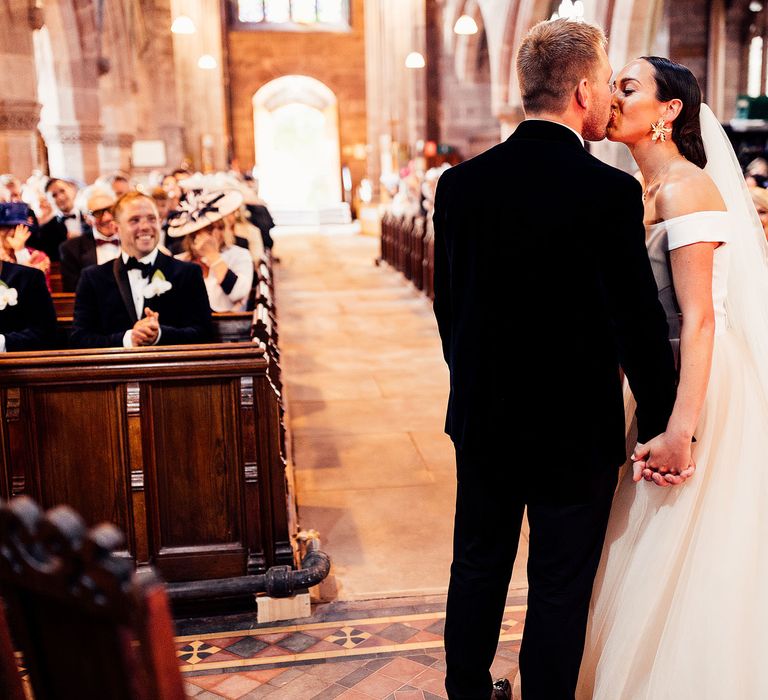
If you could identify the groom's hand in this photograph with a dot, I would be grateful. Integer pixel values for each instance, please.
(665, 460)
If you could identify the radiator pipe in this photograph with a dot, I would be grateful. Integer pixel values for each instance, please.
(277, 582)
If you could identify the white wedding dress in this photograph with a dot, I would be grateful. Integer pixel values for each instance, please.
(680, 604)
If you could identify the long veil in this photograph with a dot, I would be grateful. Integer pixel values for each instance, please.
(747, 300)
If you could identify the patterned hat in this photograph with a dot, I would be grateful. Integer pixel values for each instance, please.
(201, 210)
(13, 213)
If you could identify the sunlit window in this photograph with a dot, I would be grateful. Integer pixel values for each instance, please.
(294, 12)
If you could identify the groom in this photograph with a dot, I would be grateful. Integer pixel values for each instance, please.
(543, 290)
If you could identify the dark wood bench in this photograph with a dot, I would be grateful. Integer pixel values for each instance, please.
(181, 447)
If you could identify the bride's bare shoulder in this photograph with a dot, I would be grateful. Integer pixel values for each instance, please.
(687, 189)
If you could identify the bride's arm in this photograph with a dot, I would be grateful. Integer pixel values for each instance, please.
(692, 278)
(692, 268)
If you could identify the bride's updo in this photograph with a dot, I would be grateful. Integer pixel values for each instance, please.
(676, 82)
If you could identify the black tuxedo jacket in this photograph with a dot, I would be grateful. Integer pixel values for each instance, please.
(50, 235)
(543, 290)
(31, 323)
(76, 254)
(104, 308)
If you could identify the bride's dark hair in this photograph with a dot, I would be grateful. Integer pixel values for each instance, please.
(676, 82)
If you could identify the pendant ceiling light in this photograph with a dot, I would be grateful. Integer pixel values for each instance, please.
(183, 25)
(570, 10)
(207, 62)
(415, 60)
(465, 25)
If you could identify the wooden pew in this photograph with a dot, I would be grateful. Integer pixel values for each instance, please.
(55, 278)
(86, 624)
(64, 304)
(180, 446)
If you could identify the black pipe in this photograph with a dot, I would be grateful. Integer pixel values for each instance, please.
(277, 582)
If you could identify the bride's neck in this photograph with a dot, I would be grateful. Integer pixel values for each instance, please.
(651, 156)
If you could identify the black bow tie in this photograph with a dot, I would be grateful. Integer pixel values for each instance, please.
(64, 217)
(133, 264)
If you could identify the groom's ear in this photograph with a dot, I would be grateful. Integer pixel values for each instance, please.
(583, 93)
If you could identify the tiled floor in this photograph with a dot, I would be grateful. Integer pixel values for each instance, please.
(355, 652)
(367, 389)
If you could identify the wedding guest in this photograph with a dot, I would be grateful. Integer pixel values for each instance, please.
(143, 297)
(120, 183)
(13, 240)
(13, 185)
(99, 245)
(227, 268)
(27, 317)
(65, 222)
(760, 199)
(756, 172)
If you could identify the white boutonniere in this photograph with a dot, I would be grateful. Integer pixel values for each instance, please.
(8, 296)
(159, 285)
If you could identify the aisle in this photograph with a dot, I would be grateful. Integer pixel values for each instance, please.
(367, 389)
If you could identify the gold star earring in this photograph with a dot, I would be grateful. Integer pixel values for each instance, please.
(660, 131)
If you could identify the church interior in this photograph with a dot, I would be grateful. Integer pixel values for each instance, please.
(286, 491)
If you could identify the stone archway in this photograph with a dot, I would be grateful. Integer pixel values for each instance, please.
(296, 128)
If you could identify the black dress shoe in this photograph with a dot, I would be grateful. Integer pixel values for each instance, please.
(502, 690)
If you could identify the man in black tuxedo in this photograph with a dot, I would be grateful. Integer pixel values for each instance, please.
(27, 317)
(67, 222)
(99, 245)
(143, 297)
(543, 290)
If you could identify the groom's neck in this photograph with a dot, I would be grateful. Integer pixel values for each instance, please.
(574, 121)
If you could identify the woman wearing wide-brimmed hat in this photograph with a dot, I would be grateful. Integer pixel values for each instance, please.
(227, 268)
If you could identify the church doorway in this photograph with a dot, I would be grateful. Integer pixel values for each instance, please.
(296, 124)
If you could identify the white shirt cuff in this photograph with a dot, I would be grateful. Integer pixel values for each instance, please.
(2, 343)
(127, 339)
(159, 333)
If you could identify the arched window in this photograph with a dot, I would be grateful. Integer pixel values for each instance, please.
(292, 14)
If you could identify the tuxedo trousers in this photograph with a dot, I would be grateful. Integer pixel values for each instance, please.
(566, 540)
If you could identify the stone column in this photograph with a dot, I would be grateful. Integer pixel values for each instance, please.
(18, 138)
(73, 150)
(19, 109)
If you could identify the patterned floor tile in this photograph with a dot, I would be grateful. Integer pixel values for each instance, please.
(298, 642)
(398, 632)
(331, 692)
(247, 647)
(195, 652)
(348, 637)
(403, 669)
(377, 685)
(235, 686)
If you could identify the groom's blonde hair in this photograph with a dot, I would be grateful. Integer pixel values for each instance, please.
(553, 58)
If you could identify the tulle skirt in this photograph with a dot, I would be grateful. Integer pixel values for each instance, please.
(680, 605)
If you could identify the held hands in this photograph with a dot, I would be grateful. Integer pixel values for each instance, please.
(146, 330)
(666, 460)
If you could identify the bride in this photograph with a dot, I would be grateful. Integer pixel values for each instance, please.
(679, 609)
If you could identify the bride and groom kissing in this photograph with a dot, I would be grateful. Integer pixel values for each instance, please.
(554, 272)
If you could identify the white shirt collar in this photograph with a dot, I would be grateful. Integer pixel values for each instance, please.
(150, 258)
(101, 237)
(552, 121)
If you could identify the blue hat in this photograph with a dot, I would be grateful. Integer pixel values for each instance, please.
(13, 213)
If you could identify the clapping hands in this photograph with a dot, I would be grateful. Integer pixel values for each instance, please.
(146, 331)
(665, 460)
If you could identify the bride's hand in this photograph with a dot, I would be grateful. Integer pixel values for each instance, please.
(660, 460)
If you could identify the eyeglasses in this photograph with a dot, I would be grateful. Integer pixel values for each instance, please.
(99, 213)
